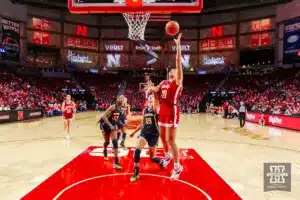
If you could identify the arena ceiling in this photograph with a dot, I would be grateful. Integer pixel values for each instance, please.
(209, 5)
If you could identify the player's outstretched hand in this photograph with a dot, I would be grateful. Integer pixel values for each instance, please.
(177, 41)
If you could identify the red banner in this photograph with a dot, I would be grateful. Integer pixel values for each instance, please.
(41, 38)
(276, 120)
(215, 44)
(261, 39)
(42, 24)
(81, 43)
(261, 25)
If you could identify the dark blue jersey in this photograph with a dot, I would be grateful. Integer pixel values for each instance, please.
(123, 111)
(114, 116)
(150, 122)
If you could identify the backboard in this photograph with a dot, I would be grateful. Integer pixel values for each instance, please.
(127, 6)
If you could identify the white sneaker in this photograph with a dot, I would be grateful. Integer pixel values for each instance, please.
(167, 160)
(68, 137)
(176, 172)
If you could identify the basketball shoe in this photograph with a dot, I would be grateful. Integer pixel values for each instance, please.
(134, 178)
(117, 166)
(68, 136)
(176, 172)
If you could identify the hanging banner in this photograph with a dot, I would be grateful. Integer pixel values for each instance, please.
(80, 43)
(186, 46)
(114, 45)
(11, 40)
(217, 62)
(217, 44)
(81, 59)
(292, 37)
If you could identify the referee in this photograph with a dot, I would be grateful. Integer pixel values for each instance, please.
(242, 114)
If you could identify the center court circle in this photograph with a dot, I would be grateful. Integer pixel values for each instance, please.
(117, 186)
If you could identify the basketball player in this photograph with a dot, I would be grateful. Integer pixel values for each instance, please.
(149, 135)
(168, 118)
(262, 120)
(69, 109)
(125, 111)
(109, 124)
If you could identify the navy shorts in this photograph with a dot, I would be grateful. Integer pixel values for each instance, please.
(151, 138)
(106, 129)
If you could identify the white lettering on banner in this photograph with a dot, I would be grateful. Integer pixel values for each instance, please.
(72, 57)
(113, 60)
(292, 27)
(183, 48)
(250, 117)
(113, 47)
(185, 60)
(148, 48)
(35, 114)
(10, 25)
(275, 120)
(213, 60)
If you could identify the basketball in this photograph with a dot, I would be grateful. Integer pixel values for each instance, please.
(172, 28)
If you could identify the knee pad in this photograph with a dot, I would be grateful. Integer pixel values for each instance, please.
(137, 155)
(106, 144)
(115, 144)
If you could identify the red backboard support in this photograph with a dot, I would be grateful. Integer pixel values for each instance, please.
(121, 7)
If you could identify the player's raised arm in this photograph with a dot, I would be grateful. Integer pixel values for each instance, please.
(105, 115)
(179, 78)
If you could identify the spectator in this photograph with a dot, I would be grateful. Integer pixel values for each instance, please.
(20, 107)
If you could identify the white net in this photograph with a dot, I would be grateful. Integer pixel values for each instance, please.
(137, 23)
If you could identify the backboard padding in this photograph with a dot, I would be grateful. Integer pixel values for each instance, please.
(119, 6)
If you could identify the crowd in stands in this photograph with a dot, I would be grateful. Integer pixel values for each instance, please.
(104, 88)
(273, 93)
(277, 93)
(195, 88)
(21, 92)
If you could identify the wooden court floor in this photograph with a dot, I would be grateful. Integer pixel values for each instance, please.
(32, 151)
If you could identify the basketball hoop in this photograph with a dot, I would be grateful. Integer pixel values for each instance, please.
(137, 23)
